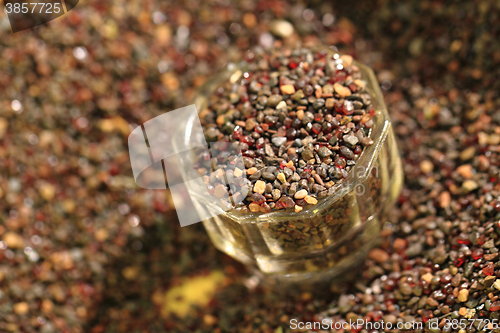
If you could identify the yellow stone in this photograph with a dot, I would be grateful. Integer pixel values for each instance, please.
(360, 83)
(259, 187)
(62, 260)
(300, 114)
(21, 308)
(220, 191)
(209, 320)
(101, 234)
(47, 306)
(170, 81)
(287, 89)
(310, 200)
(238, 172)
(47, 191)
(68, 205)
(115, 124)
(465, 171)
(494, 139)
(444, 199)
(163, 34)
(298, 208)
(341, 90)
(468, 153)
(13, 240)
(496, 284)
(235, 76)
(252, 170)
(426, 166)
(482, 138)
(3, 127)
(11, 327)
(81, 312)
(221, 119)
(249, 20)
(300, 194)
(469, 185)
(427, 277)
(281, 105)
(470, 313)
(281, 177)
(130, 273)
(346, 60)
(254, 207)
(191, 292)
(463, 295)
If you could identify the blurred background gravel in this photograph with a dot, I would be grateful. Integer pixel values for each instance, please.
(84, 250)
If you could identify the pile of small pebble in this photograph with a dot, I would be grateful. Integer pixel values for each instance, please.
(300, 117)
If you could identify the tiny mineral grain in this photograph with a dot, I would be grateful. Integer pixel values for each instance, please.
(463, 295)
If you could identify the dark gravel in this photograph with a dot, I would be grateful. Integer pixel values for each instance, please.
(84, 251)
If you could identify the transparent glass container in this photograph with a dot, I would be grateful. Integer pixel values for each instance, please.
(321, 242)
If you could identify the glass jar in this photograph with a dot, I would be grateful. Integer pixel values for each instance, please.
(321, 242)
